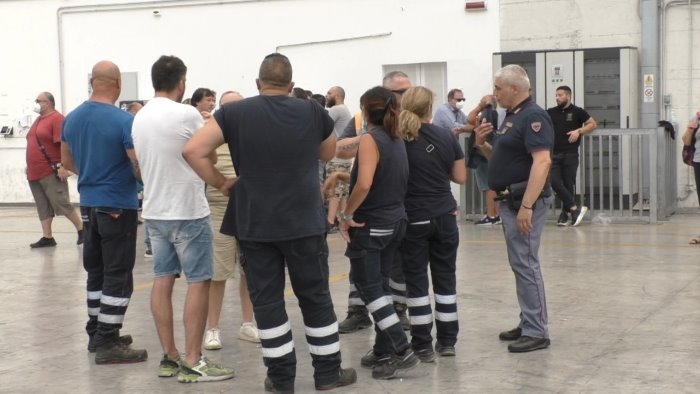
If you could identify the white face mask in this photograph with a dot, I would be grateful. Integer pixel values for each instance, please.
(37, 108)
(459, 104)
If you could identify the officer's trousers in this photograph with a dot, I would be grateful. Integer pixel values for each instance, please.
(109, 253)
(307, 263)
(371, 252)
(432, 243)
(523, 256)
(397, 284)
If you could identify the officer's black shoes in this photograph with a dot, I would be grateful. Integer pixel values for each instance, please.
(403, 317)
(358, 319)
(347, 377)
(577, 215)
(444, 350)
(43, 242)
(563, 220)
(528, 344)
(270, 388)
(92, 348)
(116, 352)
(425, 355)
(372, 359)
(511, 335)
(80, 238)
(397, 364)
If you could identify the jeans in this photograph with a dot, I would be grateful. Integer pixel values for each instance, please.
(371, 252)
(307, 263)
(182, 245)
(432, 243)
(109, 253)
(563, 177)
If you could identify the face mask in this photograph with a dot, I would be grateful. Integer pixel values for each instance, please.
(459, 104)
(37, 108)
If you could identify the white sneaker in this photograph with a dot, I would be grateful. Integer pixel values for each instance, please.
(249, 332)
(212, 339)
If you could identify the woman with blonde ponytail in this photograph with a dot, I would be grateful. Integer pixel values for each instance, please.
(434, 159)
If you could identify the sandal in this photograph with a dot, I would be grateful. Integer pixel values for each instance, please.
(695, 241)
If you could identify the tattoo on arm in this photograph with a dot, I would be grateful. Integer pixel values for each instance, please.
(350, 146)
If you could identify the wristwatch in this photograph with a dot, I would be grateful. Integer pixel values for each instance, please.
(344, 216)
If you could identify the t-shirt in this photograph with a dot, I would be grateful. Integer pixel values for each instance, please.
(564, 120)
(341, 116)
(172, 190)
(429, 194)
(48, 129)
(274, 143)
(448, 117)
(525, 129)
(98, 135)
(225, 165)
(384, 204)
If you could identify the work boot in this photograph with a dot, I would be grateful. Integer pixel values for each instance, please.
(117, 352)
(347, 376)
(358, 318)
(92, 348)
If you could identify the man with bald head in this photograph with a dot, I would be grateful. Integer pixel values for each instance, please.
(276, 213)
(96, 145)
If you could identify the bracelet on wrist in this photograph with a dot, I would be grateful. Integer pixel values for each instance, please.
(526, 207)
(344, 216)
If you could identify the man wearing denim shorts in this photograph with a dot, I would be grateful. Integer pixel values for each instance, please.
(177, 217)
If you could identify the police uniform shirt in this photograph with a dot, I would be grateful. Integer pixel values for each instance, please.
(430, 164)
(564, 121)
(274, 143)
(526, 128)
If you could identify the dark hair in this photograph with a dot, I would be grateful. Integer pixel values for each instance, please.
(451, 93)
(321, 99)
(167, 72)
(380, 106)
(565, 88)
(299, 93)
(275, 70)
(200, 94)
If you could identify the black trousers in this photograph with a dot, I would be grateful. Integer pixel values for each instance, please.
(371, 252)
(306, 260)
(696, 169)
(109, 253)
(432, 243)
(563, 177)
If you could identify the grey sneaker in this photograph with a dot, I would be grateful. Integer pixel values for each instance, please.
(396, 365)
(118, 353)
(372, 359)
(204, 371)
(168, 367)
(358, 319)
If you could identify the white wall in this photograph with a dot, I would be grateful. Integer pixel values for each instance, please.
(555, 24)
(223, 43)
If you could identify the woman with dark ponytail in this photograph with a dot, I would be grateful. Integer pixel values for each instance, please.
(434, 159)
(374, 223)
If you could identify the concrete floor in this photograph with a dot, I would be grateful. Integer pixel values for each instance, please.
(623, 305)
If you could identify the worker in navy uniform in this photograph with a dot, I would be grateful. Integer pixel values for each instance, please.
(519, 161)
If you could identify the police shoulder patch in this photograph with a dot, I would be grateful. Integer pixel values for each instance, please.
(536, 126)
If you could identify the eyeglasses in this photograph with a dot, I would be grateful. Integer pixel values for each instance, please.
(399, 91)
(461, 100)
(39, 101)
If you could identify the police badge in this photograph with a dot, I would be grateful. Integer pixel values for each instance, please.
(536, 126)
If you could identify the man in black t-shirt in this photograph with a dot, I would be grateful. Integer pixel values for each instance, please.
(276, 213)
(570, 122)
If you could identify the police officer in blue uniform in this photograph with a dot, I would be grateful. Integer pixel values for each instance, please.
(519, 161)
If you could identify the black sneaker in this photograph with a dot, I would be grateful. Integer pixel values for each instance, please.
(80, 238)
(563, 220)
(444, 350)
(425, 355)
(528, 344)
(396, 365)
(372, 359)
(119, 353)
(403, 317)
(347, 377)
(92, 348)
(511, 335)
(496, 220)
(487, 221)
(577, 215)
(270, 388)
(43, 242)
(358, 319)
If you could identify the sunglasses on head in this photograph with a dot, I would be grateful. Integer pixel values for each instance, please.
(399, 91)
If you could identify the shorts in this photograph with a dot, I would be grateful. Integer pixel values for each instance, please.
(227, 260)
(482, 176)
(342, 189)
(182, 245)
(51, 196)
